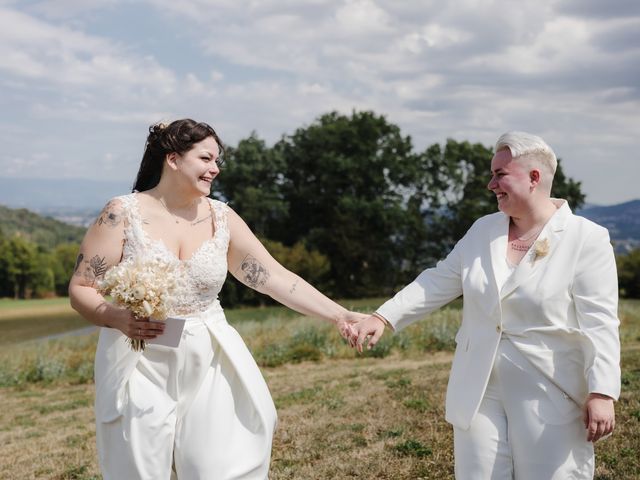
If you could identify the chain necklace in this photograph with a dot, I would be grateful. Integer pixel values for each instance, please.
(177, 219)
(523, 244)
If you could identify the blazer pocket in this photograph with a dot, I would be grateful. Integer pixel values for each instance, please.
(555, 406)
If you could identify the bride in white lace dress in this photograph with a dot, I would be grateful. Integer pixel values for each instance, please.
(201, 410)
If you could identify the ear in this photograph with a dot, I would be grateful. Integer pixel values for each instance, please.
(534, 178)
(172, 160)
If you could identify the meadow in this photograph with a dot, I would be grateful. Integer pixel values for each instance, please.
(341, 415)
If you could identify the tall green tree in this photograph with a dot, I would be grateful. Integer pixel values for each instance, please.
(64, 260)
(567, 188)
(251, 181)
(347, 184)
(21, 265)
(629, 274)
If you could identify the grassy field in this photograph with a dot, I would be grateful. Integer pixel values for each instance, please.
(340, 416)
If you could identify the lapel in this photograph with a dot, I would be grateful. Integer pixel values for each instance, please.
(552, 231)
(498, 238)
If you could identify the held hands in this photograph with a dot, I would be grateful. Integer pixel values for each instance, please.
(346, 326)
(370, 328)
(599, 416)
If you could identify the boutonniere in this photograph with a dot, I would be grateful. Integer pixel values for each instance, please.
(541, 249)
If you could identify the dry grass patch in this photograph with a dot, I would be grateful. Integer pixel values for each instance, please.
(341, 419)
(48, 433)
(365, 418)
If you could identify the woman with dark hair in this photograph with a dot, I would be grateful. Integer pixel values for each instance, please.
(201, 409)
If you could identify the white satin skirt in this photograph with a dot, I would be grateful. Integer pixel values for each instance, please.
(198, 411)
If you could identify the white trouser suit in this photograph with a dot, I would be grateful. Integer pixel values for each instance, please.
(526, 427)
(533, 342)
(202, 409)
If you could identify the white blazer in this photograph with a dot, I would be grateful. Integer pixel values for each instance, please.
(559, 310)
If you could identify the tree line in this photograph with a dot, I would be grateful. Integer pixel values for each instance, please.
(346, 202)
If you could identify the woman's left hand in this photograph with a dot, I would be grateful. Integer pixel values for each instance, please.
(346, 324)
(599, 416)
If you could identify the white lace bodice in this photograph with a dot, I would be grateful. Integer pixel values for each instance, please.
(204, 273)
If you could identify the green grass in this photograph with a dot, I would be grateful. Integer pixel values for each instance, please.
(9, 303)
(341, 415)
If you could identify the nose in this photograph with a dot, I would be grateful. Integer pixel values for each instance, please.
(492, 183)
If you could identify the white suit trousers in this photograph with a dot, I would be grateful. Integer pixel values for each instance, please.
(186, 415)
(526, 428)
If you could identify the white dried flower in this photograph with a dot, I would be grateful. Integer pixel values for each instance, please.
(147, 287)
(541, 248)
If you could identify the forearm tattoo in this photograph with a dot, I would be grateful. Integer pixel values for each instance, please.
(254, 274)
(110, 216)
(91, 270)
(293, 287)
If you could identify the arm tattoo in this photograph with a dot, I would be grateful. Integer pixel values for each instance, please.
(91, 270)
(293, 287)
(111, 215)
(255, 275)
(78, 262)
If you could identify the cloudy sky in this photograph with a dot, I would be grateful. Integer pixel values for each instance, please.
(81, 81)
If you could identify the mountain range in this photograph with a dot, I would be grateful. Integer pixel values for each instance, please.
(622, 221)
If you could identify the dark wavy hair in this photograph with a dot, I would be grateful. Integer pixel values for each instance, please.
(179, 137)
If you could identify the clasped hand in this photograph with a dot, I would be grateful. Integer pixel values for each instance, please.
(358, 328)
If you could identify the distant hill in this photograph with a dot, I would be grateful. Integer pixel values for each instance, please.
(622, 221)
(44, 231)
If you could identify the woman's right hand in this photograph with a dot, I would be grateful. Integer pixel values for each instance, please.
(136, 328)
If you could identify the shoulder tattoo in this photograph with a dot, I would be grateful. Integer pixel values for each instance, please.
(254, 274)
(111, 215)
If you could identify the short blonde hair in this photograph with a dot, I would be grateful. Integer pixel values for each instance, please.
(531, 149)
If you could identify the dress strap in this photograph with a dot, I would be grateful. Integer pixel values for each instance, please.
(219, 210)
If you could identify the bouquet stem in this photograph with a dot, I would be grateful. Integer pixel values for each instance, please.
(137, 345)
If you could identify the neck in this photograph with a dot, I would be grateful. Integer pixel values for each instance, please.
(172, 198)
(535, 216)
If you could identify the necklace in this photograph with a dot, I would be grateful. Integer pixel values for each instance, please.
(523, 243)
(177, 219)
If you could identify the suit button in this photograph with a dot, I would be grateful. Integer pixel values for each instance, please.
(498, 328)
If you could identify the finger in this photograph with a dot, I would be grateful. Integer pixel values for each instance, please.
(585, 417)
(362, 335)
(150, 326)
(591, 431)
(374, 339)
(353, 336)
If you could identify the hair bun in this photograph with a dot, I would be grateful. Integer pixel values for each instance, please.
(156, 132)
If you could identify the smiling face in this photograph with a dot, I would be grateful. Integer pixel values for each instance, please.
(197, 167)
(511, 182)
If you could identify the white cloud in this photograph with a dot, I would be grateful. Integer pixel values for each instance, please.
(468, 69)
(362, 17)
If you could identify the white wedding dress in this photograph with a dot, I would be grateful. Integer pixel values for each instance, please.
(198, 411)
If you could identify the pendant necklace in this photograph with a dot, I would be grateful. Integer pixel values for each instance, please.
(176, 218)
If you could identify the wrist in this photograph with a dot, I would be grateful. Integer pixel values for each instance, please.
(600, 396)
(340, 316)
(381, 318)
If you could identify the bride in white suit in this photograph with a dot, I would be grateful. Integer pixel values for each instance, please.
(201, 409)
(536, 368)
